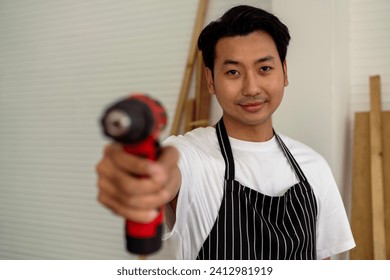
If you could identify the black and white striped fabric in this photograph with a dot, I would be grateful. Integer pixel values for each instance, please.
(251, 225)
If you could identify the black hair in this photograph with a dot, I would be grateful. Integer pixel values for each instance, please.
(240, 21)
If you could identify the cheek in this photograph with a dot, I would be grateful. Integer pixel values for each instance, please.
(225, 94)
(279, 96)
(222, 89)
(277, 85)
(276, 91)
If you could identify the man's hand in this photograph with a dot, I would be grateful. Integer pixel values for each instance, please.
(134, 187)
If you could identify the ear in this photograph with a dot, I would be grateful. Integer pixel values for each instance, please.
(285, 73)
(210, 81)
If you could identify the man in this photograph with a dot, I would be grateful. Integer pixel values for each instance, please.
(239, 190)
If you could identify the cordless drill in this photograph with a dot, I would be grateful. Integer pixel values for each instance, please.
(136, 122)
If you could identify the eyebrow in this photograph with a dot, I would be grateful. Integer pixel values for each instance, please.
(260, 60)
(266, 58)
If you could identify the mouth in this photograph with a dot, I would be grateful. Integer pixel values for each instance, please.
(252, 107)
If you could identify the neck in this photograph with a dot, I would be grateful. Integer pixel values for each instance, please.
(261, 132)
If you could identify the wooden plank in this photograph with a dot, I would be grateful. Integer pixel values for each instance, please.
(361, 212)
(198, 85)
(189, 115)
(386, 173)
(202, 6)
(376, 154)
(203, 98)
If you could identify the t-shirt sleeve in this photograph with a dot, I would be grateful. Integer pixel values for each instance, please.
(334, 234)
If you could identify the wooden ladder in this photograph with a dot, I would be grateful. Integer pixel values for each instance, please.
(197, 110)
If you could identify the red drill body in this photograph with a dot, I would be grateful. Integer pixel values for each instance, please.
(136, 122)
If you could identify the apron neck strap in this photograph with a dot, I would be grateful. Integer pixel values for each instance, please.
(226, 150)
(298, 171)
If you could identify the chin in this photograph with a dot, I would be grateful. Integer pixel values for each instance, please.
(256, 121)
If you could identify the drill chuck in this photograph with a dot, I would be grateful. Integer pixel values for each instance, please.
(128, 121)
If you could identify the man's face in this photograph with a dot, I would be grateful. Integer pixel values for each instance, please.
(248, 82)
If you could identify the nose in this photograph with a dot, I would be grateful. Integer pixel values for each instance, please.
(251, 86)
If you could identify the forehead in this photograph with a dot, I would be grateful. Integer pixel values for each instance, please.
(252, 46)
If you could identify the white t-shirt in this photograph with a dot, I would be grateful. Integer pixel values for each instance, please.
(261, 166)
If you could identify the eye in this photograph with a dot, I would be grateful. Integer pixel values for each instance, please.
(265, 69)
(233, 73)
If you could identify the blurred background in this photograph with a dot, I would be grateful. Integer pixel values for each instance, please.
(63, 62)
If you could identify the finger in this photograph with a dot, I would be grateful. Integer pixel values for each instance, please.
(105, 168)
(140, 216)
(131, 186)
(133, 214)
(147, 202)
(106, 188)
(122, 183)
(119, 184)
(126, 162)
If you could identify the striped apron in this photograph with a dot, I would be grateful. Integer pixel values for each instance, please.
(251, 225)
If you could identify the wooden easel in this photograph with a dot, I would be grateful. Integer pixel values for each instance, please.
(371, 180)
(197, 110)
